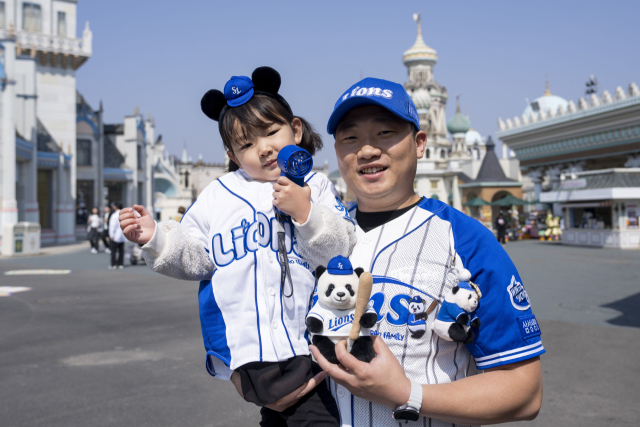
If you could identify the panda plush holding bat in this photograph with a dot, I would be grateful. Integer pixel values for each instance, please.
(333, 315)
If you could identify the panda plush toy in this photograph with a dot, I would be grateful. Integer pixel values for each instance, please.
(457, 314)
(331, 318)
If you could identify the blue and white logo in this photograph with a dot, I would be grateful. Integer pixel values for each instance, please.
(518, 296)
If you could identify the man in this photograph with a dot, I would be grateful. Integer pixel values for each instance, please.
(417, 247)
(501, 227)
(116, 236)
(105, 229)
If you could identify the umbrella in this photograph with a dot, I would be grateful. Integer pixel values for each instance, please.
(477, 202)
(510, 200)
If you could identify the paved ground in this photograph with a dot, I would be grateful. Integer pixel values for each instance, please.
(98, 347)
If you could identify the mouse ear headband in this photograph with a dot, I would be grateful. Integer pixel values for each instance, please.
(239, 90)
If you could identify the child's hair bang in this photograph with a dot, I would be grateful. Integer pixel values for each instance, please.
(241, 123)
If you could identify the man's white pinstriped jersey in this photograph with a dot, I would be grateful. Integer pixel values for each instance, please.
(243, 313)
(419, 254)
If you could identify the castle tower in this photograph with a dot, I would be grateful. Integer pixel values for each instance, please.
(429, 97)
(458, 127)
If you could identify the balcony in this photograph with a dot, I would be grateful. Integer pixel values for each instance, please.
(51, 50)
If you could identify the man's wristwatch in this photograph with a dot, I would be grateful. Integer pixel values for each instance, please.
(411, 410)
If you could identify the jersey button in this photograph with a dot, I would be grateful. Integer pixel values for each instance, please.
(365, 240)
(270, 258)
(274, 324)
(270, 291)
(340, 393)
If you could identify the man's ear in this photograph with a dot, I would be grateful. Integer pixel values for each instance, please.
(358, 271)
(421, 143)
(296, 127)
(319, 270)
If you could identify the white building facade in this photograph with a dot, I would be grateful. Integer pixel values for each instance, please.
(40, 56)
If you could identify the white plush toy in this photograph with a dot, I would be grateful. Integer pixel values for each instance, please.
(457, 314)
(332, 317)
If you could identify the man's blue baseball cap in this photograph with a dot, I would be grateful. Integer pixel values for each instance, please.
(238, 90)
(340, 265)
(372, 91)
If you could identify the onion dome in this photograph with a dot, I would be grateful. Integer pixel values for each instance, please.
(419, 51)
(473, 137)
(458, 123)
(421, 99)
(545, 103)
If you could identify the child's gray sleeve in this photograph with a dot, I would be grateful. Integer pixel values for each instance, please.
(174, 252)
(324, 236)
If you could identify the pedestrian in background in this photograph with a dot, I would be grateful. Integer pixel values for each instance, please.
(501, 226)
(117, 238)
(181, 211)
(105, 229)
(94, 229)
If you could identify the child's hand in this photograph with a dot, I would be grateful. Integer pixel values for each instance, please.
(137, 224)
(292, 199)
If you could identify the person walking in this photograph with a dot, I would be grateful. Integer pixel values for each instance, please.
(105, 229)
(501, 226)
(116, 236)
(94, 225)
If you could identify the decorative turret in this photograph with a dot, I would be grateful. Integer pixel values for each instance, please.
(419, 52)
(458, 123)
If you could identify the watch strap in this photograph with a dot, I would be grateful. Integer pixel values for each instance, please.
(415, 398)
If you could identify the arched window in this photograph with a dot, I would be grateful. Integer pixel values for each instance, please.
(442, 154)
(427, 153)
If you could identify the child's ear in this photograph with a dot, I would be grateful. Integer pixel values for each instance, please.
(232, 157)
(296, 127)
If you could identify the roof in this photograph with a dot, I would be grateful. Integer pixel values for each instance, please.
(490, 170)
(419, 51)
(606, 178)
(118, 129)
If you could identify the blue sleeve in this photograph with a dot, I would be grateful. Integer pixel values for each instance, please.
(509, 331)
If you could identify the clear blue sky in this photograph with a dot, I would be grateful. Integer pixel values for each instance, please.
(164, 55)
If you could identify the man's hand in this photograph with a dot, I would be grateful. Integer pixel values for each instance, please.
(292, 199)
(137, 224)
(291, 398)
(382, 381)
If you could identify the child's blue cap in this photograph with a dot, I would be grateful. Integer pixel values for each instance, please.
(340, 265)
(372, 91)
(238, 90)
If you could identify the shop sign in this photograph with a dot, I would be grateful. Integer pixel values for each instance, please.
(573, 184)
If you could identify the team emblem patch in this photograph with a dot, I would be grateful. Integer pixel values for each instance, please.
(518, 296)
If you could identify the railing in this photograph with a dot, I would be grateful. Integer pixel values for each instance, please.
(47, 43)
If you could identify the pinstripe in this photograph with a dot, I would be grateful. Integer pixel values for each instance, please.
(413, 276)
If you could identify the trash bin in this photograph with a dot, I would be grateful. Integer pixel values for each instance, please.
(21, 238)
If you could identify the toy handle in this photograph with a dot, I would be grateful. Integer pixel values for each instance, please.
(362, 302)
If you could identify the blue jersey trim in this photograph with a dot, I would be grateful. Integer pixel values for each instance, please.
(352, 417)
(255, 269)
(499, 340)
(283, 325)
(309, 179)
(185, 212)
(215, 338)
(398, 239)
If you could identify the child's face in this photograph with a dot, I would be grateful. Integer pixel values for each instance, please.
(258, 155)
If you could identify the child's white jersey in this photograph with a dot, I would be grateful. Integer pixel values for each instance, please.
(244, 315)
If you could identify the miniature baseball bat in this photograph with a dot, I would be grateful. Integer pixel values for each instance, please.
(362, 301)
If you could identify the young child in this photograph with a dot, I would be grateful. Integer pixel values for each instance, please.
(227, 239)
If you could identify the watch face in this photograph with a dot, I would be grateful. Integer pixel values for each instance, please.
(408, 414)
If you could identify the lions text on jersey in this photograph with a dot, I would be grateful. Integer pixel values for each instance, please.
(412, 260)
(244, 316)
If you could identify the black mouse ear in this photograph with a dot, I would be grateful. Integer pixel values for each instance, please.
(212, 104)
(266, 79)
